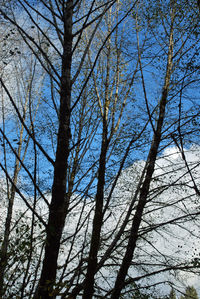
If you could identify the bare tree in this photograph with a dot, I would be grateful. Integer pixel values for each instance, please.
(21, 87)
(99, 112)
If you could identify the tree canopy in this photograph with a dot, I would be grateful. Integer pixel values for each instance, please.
(99, 131)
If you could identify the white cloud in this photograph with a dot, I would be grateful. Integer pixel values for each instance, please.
(167, 244)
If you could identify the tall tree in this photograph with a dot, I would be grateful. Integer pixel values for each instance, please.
(117, 89)
(20, 77)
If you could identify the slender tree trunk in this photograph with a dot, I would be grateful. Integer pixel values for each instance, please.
(97, 223)
(59, 202)
(98, 216)
(5, 243)
(138, 214)
(11, 197)
(119, 284)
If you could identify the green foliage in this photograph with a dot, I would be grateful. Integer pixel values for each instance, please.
(190, 293)
(172, 294)
(23, 254)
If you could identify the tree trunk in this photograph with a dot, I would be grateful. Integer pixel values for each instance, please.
(59, 203)
(119, 284)
(97, 223)
(11, 196)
